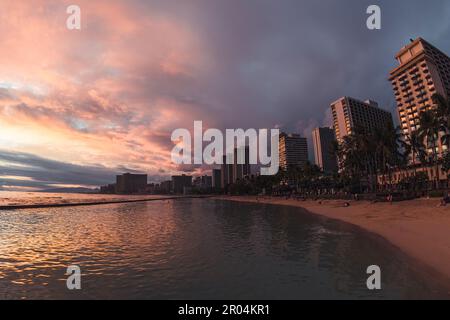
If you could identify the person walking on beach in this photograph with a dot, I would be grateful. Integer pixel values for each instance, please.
(389, 198)
(445, 200)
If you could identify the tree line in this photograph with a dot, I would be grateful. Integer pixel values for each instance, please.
(364, 156)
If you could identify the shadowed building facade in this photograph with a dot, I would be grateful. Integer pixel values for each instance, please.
(350, 113)
(239, 169)
(226, 172)
(241, 166)
(217, 178)
(181, 183)
(293, 150)
(130, 183)
(203, 182)
(323, 139)
(165, 186)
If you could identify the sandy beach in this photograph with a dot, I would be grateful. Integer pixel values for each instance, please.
(47, 200)
(420, 228)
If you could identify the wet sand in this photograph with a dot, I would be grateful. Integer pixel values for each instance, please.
(420, 228)
(87, 202)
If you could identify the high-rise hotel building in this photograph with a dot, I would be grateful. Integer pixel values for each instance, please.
(217, 178)
(323, 139)
(293, 150)
(423, 71)
(238, 170)
(349, 113)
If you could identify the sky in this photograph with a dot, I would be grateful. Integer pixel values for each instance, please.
(79, 106)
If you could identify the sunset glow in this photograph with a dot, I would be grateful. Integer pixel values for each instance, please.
(109, 95)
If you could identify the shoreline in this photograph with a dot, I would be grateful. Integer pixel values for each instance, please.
(90, 203)
(418, 228)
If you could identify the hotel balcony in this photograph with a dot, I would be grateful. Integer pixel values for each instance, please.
(404, 83)
(405, 89)
(420, 95)
(414, 70)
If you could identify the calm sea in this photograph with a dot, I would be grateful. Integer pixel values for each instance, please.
(196, 249)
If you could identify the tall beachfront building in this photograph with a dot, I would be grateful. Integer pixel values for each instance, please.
(323, 139)
(130, 183)
(230, 173)
(226, 172)
(423, 71)
(242, 170)
(350, 113)
(217, 178)
(293, 150)
(181, 184)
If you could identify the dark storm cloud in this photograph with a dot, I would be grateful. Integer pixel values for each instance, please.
(289, 59)
(284, 62)
(44, 172)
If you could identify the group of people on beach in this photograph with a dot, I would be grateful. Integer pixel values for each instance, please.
(389, 198)
(445, 200)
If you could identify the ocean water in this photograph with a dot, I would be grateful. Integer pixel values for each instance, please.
(197, 249)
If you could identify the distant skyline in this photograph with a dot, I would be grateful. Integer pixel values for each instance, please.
(78, 107)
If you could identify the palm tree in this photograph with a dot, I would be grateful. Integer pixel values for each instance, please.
(414, 149)
(443, 112)
(429, 133)
(443, 115)
(387, 142)
(356, 155)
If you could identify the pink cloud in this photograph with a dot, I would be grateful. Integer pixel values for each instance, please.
(109, 94)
